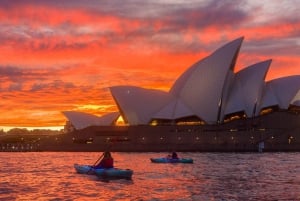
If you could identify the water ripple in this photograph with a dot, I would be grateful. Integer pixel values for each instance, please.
(213, 176)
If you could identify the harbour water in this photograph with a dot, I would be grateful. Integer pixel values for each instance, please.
(213, 176)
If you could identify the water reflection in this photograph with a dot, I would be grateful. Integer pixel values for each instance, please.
(213, 176)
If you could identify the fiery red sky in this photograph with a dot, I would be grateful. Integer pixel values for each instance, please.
(63, 55)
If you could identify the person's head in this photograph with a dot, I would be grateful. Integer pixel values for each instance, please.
(107, 154)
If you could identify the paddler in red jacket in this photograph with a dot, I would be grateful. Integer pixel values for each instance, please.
(106, 162)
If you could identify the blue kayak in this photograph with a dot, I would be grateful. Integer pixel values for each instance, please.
(104, 172)
(171, 160)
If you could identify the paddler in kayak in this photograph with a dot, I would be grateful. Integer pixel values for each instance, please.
(173, 155)
(106, 162)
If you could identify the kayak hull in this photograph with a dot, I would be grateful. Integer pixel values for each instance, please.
(114, 173)
(171, 160)
(104, 172)
(84, 169)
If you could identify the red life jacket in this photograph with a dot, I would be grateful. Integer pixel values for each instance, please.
(106, 163)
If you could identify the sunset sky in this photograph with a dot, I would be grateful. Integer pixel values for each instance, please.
(60, 55)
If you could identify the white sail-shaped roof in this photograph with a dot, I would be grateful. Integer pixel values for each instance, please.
(82, 120)
(281, 92)
(137, 105)
(209, 89)
(201, 87)
(109, 119)
(175, 109)
(296, 99)
(247, 89)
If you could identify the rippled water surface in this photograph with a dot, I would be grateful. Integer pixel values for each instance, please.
(213, 176)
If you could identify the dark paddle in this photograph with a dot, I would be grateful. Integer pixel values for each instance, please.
(91, 167)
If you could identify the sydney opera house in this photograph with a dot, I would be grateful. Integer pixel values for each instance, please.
(210, 107)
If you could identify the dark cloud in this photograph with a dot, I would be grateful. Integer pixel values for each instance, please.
(216, 13)
(273, 46)
(10, 71)
(17, 78)
(53, 85)
(38, 39)
(20, 74)
(15, 87)
(177, 19)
